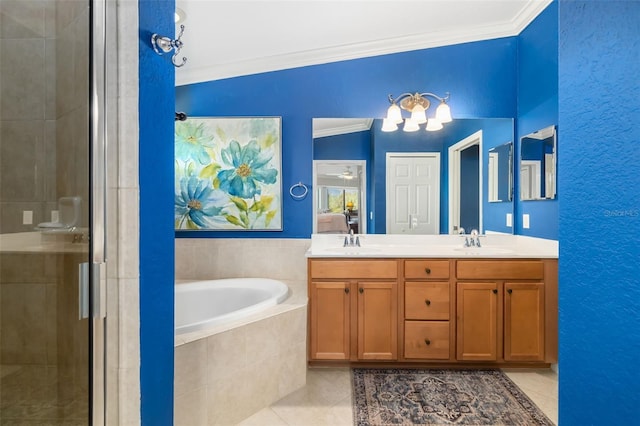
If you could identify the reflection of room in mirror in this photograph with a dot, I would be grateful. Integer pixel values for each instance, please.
(349, 140)
(339, 196)
(538, 165)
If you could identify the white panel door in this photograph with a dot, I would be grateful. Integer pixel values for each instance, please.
(413, 193)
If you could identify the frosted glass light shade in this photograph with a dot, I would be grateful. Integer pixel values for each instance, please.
(389, 125)
(443, 113)
(410, 125)
(418, 115)
(433, 124)
(394, 114)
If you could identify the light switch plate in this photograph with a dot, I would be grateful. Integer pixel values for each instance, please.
(525, 221)
(509, 220)
(27, 217)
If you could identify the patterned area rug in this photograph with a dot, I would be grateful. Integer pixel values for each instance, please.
(441, 397)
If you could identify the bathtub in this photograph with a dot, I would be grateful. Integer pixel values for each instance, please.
(203, 304)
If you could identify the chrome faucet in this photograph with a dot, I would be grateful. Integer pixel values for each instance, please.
(473, 240)
(352, 240)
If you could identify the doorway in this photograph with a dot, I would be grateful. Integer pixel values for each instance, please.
(340, 196)
(413, 193)
(465, 184)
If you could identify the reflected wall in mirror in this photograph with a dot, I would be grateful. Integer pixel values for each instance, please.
(500, 173)
(538, 165)
(362, 140)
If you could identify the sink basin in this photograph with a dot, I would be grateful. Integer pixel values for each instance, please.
(483, 250)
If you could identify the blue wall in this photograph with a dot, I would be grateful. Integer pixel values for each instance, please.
(470, 189)
(537, 109)
(599, 111)
(352, 89)
(351, 146)
(156, 106)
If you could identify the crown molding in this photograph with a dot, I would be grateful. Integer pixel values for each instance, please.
(511, 28)
(361, 126)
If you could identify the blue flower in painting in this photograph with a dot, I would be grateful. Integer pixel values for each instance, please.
(250, 169)
(197, 203)
(192, 142)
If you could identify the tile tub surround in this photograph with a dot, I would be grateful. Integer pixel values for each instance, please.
(229, 372)
(227, 377)
(212, 258)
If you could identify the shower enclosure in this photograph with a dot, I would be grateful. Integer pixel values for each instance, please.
(51, 211)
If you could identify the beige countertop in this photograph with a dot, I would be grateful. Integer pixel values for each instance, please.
(41, 242)
(433, 246)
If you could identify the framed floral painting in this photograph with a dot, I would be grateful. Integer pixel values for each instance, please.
(228, 174)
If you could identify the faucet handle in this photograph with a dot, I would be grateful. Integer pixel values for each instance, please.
(346, 242)
(357, 240)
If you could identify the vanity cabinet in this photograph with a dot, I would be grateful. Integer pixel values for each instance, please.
(500, 311)
(353, 310)
(427, 309)
(438, 311)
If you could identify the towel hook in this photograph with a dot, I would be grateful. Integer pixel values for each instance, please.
(302, 194)
(162, 45)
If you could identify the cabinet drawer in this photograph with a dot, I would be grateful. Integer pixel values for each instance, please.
(426, 269)
(426, 339)
(353, 269)
(504, 269)
(426, 300)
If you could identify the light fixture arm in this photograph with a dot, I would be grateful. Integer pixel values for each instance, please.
(407, 100)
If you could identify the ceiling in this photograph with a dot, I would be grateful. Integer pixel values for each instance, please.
(225, 39)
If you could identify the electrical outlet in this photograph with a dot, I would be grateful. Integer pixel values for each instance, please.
(27, 217)
(525, 221)
(509, 220)
(55, 215)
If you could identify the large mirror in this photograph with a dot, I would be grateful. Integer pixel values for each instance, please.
(500, 173)
(538, 165)
(413, 182)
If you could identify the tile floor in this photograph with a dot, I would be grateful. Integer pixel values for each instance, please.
(326, 399)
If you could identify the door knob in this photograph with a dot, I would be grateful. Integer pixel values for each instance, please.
(346, 290)
(495, 291)
(427, 302)
(427, 270)
(427, 342)
(361, 290)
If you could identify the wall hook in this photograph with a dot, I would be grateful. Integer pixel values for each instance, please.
(162, 45)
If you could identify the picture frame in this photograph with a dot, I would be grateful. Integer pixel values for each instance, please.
(228, 174)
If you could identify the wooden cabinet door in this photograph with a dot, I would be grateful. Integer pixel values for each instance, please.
(377, 320)
(524, 322)
(330, 321)
(477, 326)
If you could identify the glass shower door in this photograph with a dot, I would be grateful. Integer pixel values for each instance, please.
(46, 223)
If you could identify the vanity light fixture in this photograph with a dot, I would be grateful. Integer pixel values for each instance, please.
(417, 104)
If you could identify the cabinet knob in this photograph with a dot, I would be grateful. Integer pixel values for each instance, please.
(346, 290)
(495, 291)
(427, 302)
(427, 342)
(509, 291)
(427, 270)
(361, 290)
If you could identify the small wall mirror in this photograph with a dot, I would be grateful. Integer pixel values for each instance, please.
(500, 173)
(538, 165)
